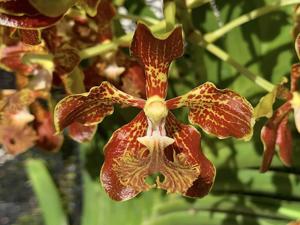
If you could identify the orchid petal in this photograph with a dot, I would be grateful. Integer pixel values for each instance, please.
(30, 37)
(80, 133)
(295, 102)
(133, 80)
(17, 15)
(124, 143)
(295, 75)
(269, 134)
(16, 139)
(223, 113)
(43, 124)
(15, 8)
(29, 22)
(91, 108)
(297, 45)
(106, 12)
(156, 54)
(284, 141)
(297, 118)
(187, 145)
(65, 60)
(11, 57)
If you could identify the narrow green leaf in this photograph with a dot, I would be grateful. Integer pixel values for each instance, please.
(91, 201)
(46, 193)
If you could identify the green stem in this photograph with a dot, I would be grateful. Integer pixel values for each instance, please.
(43, 59)
(197, 38)
(145, 19)
(97, 50)
(124, 40)
(215, 50)
(213, 36)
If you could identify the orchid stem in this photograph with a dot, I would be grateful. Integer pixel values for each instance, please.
(113, 46)
(197, 38)
(213, 36)
(215, 50)
(98, 50)
(147, 20)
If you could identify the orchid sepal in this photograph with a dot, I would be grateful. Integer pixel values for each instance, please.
(209, 107)
(156, 54)
(92, 107)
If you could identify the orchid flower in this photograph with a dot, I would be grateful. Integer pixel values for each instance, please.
(276, 131)
(155, 141)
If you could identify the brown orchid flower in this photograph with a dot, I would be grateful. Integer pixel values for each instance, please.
(155, 141)
(276, 131)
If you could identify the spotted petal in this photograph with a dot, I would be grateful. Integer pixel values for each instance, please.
(269, 136)
(124, 143)
(156, 54)
(187, 146)
(91, 108)
(223, 113)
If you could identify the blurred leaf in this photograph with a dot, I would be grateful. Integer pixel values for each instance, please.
(46, 193)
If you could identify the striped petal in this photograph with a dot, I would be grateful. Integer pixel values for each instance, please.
(269, 135)
(156, 54)
(91, 108)
(187, 147)
(223, 113)
(116, 176)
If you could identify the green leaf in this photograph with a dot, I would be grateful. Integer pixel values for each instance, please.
(46, 193)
